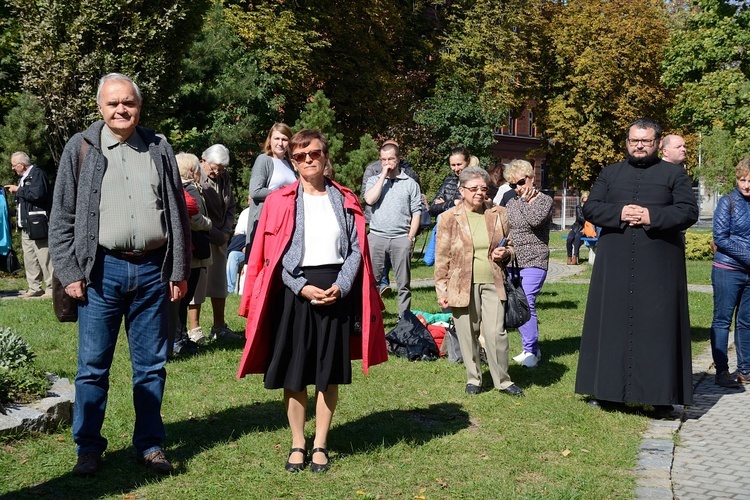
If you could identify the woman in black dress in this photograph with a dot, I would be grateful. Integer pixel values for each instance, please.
(308, 284)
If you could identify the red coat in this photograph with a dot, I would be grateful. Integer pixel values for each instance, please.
(263, 280)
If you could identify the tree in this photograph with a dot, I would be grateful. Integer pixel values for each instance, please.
(603, 72)
(24, 130)
(350, 173)
(707, 67)
(319, 115)
(494, 49)
(10, 73)
(68, 45)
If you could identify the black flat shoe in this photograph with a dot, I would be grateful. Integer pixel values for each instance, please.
(295, 467)
(473, 389)
(315, 467)
(512, 390)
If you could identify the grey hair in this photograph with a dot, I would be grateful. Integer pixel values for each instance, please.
(218, 154)
(471, 173)
(116, 76)
(24, 157)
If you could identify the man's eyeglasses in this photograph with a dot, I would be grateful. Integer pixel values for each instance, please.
(645, 142)
(15, 165)
(519, 182)
(474, 189)
(314, 155)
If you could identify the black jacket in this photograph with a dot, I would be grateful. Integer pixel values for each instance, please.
(448, 191)
(34, 195)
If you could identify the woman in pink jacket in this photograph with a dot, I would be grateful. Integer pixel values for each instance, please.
(311, 255)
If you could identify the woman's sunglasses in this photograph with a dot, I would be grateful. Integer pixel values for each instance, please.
(520, 182)
(314, 155)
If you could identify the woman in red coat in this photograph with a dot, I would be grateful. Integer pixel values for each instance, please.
(310, 254)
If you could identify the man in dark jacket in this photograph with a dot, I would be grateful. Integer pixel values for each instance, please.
(120, 243)
(34, 198)
(635, 344)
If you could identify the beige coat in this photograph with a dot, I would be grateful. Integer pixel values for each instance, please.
(454, 253)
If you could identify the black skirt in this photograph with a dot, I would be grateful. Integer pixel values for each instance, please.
(311, 343)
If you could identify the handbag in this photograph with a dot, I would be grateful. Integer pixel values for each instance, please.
(65, 306)
(38, 225)
(9, 262)
(517, 311)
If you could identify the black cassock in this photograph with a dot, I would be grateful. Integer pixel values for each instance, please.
(635, 345)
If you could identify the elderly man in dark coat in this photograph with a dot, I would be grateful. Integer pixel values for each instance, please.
(635, 346)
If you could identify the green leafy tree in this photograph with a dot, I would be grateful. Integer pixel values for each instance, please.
(68, 45)
(350, 173)
(24, 130)
(10, 72)
(707, 68)
(494, 49)
(319, 115)
(721, 151)
(603, 72)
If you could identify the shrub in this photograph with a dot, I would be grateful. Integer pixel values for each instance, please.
(698, 246)
(20, 380)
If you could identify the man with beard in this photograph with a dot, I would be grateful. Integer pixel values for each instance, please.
(635, 345)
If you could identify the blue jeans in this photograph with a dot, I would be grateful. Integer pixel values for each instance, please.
(731, 294)
(133, 291)
(234, 261)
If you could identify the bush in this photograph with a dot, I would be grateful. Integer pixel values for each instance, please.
(20, 380)
(698, 246)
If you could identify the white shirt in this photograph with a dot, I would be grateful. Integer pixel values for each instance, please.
(322, 233)
(241, 227)
(282, 175)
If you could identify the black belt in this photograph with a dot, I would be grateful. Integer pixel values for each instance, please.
(130, 255)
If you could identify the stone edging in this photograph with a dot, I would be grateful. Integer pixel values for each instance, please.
(43, 415)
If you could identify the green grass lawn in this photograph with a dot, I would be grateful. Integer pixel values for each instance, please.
(405, 431)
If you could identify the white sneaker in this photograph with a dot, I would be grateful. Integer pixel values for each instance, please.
(197, 335)
(530, 361)
(521, 357)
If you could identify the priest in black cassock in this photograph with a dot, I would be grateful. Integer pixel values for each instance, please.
(635, 345)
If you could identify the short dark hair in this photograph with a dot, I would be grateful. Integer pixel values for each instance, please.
(388, 146)
(304, 137)
(645, 123)
(460, 150)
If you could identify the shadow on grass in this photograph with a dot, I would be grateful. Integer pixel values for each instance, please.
(120, 474)
(700, 334)
(390, 427)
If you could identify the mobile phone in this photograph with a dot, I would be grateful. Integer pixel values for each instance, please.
(502, 242)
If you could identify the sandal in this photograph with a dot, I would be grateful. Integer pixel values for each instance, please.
(316, 467)
(298, 466)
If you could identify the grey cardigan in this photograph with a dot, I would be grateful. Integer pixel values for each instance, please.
(261, 174)
(74, 221)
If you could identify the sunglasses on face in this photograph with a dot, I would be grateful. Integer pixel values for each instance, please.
(314, 155)
(520, 182)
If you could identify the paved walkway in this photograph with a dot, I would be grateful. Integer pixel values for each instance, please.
(703, 453)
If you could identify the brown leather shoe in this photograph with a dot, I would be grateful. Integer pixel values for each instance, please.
(87, 464)
(157, 462)
(570, 260)
(574, 260)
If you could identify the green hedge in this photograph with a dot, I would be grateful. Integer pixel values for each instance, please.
(698, 246)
